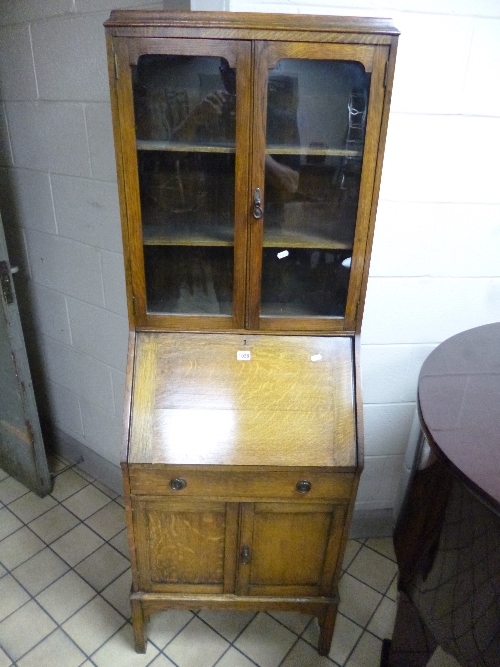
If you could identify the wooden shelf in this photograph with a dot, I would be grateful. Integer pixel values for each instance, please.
(208, 308)
(178, 147)
(187, 235)
(304, 150)
(196, 235)
(287, 310)
(283, 238)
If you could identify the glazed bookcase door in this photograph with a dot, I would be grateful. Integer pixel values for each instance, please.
(184, 134)
(315, 145)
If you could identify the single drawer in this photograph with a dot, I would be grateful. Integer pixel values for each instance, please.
(191, 481)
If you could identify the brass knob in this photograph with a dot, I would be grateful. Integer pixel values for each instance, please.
(178, 484)
(304, 486)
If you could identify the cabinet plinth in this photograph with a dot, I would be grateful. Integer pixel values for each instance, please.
(249, 153)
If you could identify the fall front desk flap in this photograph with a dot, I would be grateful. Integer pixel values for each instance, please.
(243, 400)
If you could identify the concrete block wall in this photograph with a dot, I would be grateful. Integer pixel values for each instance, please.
(59, 204)
(435, 266)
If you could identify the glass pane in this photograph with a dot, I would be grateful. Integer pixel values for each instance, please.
(185, 110)
(316, 117)
(198, 279)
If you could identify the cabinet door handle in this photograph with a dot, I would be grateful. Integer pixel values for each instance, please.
(178, 484)
(245, 554)
(304, 486)
(257, 204)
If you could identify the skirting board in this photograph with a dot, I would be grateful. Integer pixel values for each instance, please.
(365, 523)
(59, 442)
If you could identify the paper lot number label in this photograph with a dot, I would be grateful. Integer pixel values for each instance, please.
(243, 355)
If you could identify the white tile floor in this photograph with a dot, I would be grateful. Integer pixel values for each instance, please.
(65, 580)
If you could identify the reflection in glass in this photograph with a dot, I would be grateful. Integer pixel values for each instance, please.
(184, 98)
(189, 279)
(185, 131)
(316, 119)
(186, 198)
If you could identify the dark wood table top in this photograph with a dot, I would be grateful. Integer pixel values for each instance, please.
(459, 404)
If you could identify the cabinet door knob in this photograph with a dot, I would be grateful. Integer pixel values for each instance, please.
(245, 554)
(257, 204)
(178, 484)
(304, 486)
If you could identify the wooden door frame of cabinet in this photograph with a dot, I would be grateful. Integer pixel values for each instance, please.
(338, 32)
(251, 25)
(141, 509)
(375, 60)
(113, 70)
(326, 587)
(361, 250)
(122, 54)
(384, 120)
(258, 148)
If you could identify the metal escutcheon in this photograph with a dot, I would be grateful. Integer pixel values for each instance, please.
(178, 484)
(245, 555)
(304, 486)
(257, 204)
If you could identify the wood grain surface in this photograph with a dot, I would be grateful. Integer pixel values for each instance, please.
(359, 29)
(195, 403)
(240, 476)
(242, 483)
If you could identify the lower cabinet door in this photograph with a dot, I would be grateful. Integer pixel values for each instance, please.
(185, 546)
(259, 549)
(289, 549)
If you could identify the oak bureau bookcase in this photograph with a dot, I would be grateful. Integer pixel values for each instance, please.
(249, 152)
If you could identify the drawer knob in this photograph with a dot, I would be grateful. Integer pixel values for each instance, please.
(178, 484)
(304, 486)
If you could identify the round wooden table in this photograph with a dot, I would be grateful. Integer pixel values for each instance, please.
(447, 537)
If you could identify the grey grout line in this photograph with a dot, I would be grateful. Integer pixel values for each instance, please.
(379, 553)
(367, 584)
(172, 639)
(51, 633)
(365, 628)
(71, 568)
(231, 643)
(221, 656)
(107, 640)
(127, 621)
(240, 652)
(58, 625)
(365, 631)
(217, 632)
(289, 650)
(171, 662)
(9, 656)
(80, 520)
(299, 638)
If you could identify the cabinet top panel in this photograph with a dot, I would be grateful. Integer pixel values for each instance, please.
(243, 400)
(273, 24)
